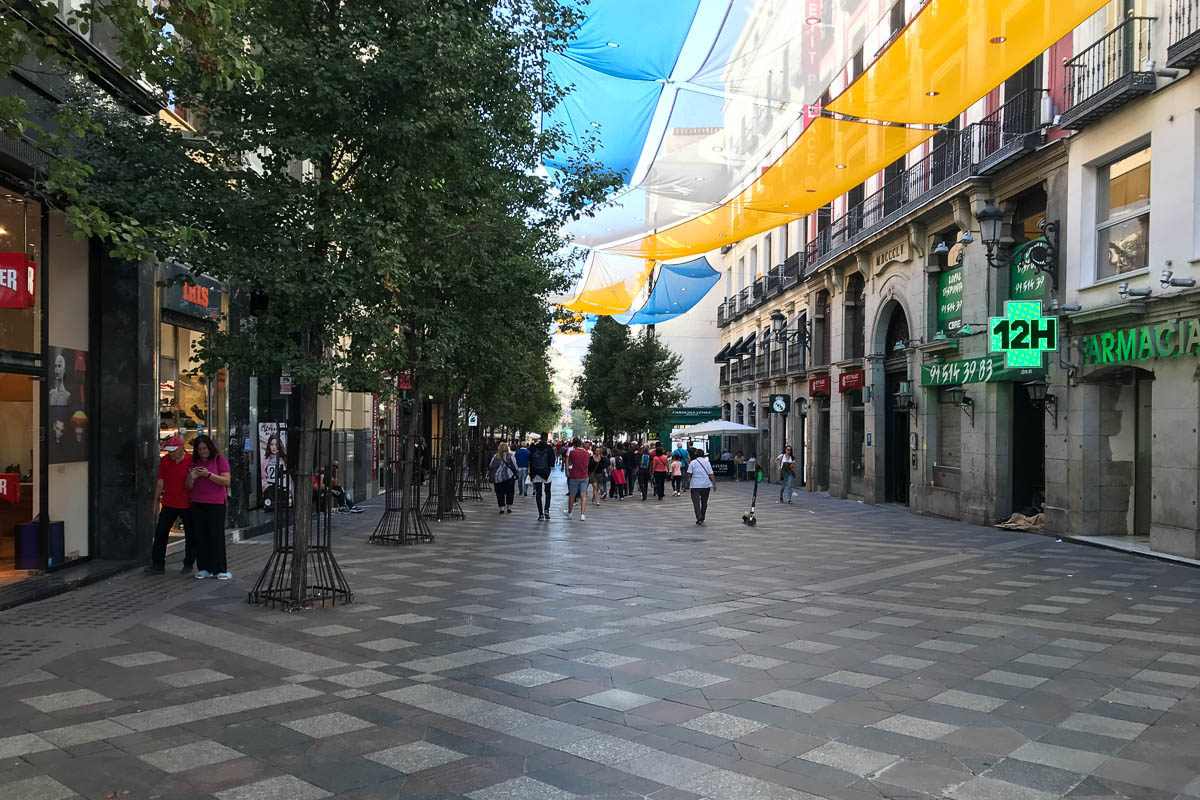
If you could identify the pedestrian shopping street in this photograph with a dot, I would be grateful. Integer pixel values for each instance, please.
(836, 650)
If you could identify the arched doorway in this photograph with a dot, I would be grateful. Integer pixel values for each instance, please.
(896, 455)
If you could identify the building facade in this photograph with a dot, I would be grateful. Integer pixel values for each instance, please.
(872, 315)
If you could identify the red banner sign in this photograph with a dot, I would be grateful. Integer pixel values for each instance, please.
(17, 275)
(850, 380)
(10, 487)
(819, 386)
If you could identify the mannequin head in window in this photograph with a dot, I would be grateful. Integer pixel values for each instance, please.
(60, 428)
(60, 368)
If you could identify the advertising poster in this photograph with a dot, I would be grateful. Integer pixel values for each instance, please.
(272, 465)
(68, 418)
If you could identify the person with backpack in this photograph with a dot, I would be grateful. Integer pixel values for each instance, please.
(684, 455)
(522, 459)
(618, 479)
(541, 464)
(503, 468)
(643, 471)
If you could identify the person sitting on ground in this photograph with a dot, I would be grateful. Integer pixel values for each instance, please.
(346, 504)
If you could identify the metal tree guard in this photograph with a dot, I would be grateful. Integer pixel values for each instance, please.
(323, 581)
(402, 475)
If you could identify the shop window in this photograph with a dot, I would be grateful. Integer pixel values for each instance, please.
(20, 244)
(855, 318)
(19, 467)
(821, 331)
(1123, 215)
(189, 401)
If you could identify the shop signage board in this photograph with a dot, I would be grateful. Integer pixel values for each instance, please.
(851, 380)
(285, 383)
(1023, 334)
(473, 420)
(950, 301)
(1144, 343)
(194, 295)
(779, 404)
(987, 369)
(819, 386)
(17, 276)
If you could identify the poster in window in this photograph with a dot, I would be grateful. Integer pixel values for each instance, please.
(68, 405)
(272, 461)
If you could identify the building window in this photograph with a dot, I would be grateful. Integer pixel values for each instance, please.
(754, 271)
(1123, 215)
(741, 414)
(821, 331)
(767, 262)
(855, 318)
(753, 413)
(741, 275)
(783, 243)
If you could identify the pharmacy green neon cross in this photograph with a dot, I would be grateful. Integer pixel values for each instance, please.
(1023, 334)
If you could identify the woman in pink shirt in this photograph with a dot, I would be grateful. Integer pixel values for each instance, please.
(208, 482)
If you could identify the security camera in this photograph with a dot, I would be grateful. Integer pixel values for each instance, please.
(1126, 292)
(1168, 280)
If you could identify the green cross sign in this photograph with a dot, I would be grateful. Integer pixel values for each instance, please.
(1023, 334)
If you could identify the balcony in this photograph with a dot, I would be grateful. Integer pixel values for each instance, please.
(758, 292)
(1183, 33)
(1008, 132)
(743, 301)
(779, 361)
(1110, 73)
(722, 320)
(795, 360)
(774, 280)
(725, 376)
(762, 367)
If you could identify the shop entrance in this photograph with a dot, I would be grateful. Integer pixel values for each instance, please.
(1142, 464)
(896, 446)
(18, 472)
(1028, 450)
(820, 475)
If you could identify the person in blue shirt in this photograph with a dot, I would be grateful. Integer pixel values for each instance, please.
(522, 456)
(682, 453)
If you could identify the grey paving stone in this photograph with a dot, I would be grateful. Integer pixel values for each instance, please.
(1067, 758)
(915, 726)
(193, 677)
(796, 701)
(903, 662)
(139, 659)
(982, 788)
(190, 756)
(82, 733)
(362, 678)
(37, 788)
(848, 758)
(968, 700)
(755, 662)
(724, 726)
(284, 787)
(415, 756)
(1103, 726)
(61, 701)
(530, 677)
(693, 678)
(329, 630)
(805, 646)
(323, 725)
(387, 645)
(23, 744)
(607, 750)
(617, 699)
(521, 788)
(665, 768)
(860, 680)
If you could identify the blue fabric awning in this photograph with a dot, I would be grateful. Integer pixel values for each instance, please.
(678, 289)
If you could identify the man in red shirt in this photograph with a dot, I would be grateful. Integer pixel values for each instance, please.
(171, 491)
(578, 460)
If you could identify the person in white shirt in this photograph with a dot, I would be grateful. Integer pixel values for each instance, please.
(701, 474)
(787, 473)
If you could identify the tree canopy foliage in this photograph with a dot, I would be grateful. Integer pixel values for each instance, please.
(627, 381)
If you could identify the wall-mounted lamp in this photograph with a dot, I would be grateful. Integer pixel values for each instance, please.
(957, 395)
(1042, 255)
(1126, 292)
(904, 400)
(1168, 280)
(966, 238)
(1040, 397)
(802, 406)
(941, 249)
(901, 345)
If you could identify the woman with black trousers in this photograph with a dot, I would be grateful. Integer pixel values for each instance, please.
(660, 473)
(504, 477)
(208, 482)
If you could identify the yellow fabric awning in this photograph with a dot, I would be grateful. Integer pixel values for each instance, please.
(954, 52)
(611, 285)
(830, 157)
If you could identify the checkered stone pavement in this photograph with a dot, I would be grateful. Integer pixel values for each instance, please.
(833, 651)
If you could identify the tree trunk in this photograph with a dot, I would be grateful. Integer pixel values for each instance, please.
(410, 458)
(302, 472)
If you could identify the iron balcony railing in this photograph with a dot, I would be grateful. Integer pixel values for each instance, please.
(795, 359)
(778, 360)
(1110, 73)
(1008, 130)
(722, 320)
(743, 301)
(725, 375)
(1183, 34)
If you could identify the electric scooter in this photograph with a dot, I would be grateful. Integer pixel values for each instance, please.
(748, 517)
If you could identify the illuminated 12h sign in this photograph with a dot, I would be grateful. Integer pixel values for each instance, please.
(1023, 334)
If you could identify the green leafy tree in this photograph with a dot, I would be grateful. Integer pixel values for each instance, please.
(596, 389)
(377, 186)
(649, 375)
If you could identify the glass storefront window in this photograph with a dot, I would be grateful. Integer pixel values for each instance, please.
(21, 232)
(189, 402)
(19, 468)
(858, 441)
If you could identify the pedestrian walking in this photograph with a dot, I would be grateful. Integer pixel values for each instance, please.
(522, 459)
(618, 479)
(175, 504)
(542, 458)
(645, 464)
(660, 473)
(676, 475)
(208, 483)
(598, 473)
(787, 473)
(683, 454)
(701, 474)
(503, 468)
(740, 462)
(579, 459)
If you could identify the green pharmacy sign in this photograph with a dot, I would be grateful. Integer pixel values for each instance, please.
(1023, 334)
(950, 301)
(1028, 278)
(1166, 340)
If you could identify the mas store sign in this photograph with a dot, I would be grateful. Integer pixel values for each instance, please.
(1145, 343)
(950, 301)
